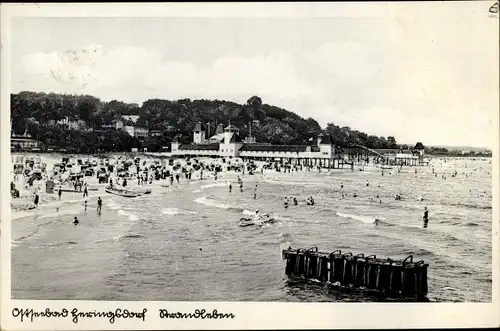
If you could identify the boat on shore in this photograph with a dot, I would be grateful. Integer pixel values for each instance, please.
(122, 192)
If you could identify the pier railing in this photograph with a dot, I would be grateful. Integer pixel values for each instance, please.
(393, 278)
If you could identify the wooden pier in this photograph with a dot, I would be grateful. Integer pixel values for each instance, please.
(393, 278)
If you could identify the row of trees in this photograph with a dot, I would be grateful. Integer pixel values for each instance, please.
(344, 136)
(441, 151)
(272, 124)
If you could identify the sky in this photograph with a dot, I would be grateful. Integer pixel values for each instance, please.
(419, 73)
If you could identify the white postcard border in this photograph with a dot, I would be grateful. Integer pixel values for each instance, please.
(248, 315)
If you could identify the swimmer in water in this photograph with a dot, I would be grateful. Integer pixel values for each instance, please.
(256, 215)
(75, 222)
(341, 185)
(367, 183)
(230, 187)
(295, 202)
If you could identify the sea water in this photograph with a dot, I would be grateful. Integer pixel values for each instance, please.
(184, 242)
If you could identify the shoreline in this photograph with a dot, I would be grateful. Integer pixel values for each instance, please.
(162, 186)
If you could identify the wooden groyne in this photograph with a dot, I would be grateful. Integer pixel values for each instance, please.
(393, 278)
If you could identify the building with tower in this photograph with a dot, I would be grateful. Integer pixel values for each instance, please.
(227, 142)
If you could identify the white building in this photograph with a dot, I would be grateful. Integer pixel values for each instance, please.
(72, 124)
(115, 124)
(140, 132)
(24, 141)
(229, 144)
(133, 130)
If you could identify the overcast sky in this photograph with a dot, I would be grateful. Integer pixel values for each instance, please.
(425, 74)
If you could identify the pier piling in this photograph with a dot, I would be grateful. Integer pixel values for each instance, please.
(390, 277)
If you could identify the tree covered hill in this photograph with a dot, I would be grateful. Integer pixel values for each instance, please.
(34, 111)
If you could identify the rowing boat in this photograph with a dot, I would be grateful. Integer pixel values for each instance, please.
(123, 193)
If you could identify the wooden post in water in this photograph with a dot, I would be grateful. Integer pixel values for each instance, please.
(396, 278)
(335, 266)
(359, 270)
(422, 279)
(323, 269)
(409, 276)
(347, 278)
(371, 274)
(383, 278)
(290, 263)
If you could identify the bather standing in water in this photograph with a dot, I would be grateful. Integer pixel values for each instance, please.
(75, 222)
(426, 217)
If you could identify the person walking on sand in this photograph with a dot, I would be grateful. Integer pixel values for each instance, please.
(230, 187)
(36, 200)
(99, 205)
(59, 193)
(85, 191)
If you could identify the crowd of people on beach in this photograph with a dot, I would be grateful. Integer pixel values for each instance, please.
(148, 175)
